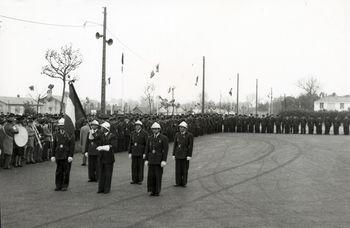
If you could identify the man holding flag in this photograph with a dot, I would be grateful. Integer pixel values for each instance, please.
(64, 140)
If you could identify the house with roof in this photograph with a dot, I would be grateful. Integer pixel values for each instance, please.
(16, 105)
(52, 103)
(333, 103)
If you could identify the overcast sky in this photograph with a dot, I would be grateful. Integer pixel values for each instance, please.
(277, 42)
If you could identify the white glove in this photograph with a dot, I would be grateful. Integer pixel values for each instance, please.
(174, 157)
(86, 154)
(53, 159)
(163, 163)
(105, 148)
(129, 155)
(70, 159)
(144, 156)
(146, 163)
(188, 158)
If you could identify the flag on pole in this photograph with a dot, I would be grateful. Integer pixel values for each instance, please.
(230, 92)
(169, 90)
(196, 81)
(31, 88)
(109, 80)
(157, 68)
(74, 111)
(152, 74)
(122, 62)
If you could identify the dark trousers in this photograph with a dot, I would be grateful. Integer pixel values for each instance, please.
(311, 130)
(6, 161)
(45, 153)
(105, 178)
(62, 173)
(336, 130)
(137, 165)
(154, 178)
(303, 129)
(181, 171)
(93, 167)
(346, 130)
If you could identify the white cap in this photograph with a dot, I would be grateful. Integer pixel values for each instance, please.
(183, 124)
(138, 122)
(94, 122)
(106, 125)
(155, 125)
(61, 122)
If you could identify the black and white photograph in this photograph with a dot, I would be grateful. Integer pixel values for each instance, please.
(164, 113)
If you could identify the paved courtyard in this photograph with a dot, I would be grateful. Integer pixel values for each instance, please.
(235, 180)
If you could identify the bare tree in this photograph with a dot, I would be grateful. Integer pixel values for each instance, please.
(310, 85)
(149, 93)
(61, 64)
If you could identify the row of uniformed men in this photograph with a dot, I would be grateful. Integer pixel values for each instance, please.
(285, 124)
(143, 150)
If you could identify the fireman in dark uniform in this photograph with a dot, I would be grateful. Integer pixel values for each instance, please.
(346, 124)
(156, 156)
(107, 147)
(137, 152)
(92, 153)
(62, 154)
(182, 153)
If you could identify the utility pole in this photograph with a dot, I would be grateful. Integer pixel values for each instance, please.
(271, 109)
(172, 99)
(256, 98)
(285, 103)
(220, 102)
(109, 42)
(237, 107)
(103, 83)
(203, 85)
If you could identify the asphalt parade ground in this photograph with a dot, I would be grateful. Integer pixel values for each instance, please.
(235, 180)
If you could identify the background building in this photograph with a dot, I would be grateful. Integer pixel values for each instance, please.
(333, 103)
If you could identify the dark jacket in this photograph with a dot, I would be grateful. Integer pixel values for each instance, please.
(92, 144)
(138, 143)
(109, 139)
(183, 145)
(157, 149)
(63, 146)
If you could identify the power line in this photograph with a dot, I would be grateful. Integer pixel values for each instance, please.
(133, 52)
(49, 24)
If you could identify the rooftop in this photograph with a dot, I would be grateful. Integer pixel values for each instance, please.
(334, 99)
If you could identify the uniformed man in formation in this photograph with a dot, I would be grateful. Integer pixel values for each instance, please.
(107, 144)
(156, 157)
(62, 154)
(91, 152)
(182, 153)
(137, 152)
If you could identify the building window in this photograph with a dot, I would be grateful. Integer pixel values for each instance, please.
(321, 105)
(341, 106)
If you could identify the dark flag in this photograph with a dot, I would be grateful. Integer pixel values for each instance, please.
(230, 92)
(152, 74)
(169, 90)
(196, 81)
(122, 62)
(157, 68)
(109, 80)
(74, 111)
(31, 88)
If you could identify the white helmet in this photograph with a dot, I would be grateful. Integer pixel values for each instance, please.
(183, 124)
(94, 122)
(138, 122)
(106, 125)
(155, 125)
(61, 122)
